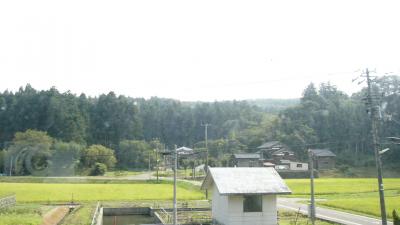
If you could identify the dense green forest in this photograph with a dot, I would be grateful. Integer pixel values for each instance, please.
(132, 127)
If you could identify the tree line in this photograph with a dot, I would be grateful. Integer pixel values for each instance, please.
(324, 117)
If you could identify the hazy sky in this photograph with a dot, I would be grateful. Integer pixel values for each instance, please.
(195, 50)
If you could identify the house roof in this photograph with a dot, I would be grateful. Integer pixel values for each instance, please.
(282, 151)
(284, 161)
(268, 144)
(184, 150)
(245, 180)
(246, 156)
(322, 152)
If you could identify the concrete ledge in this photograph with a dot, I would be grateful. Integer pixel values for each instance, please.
(126, 211)
(7, 201)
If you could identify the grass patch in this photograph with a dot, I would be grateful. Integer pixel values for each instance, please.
(291, 218)
(359, 195)
(122, 173)
(81, 216)
(53, 192)
(29, 214)
(327, 186)
(364, 205)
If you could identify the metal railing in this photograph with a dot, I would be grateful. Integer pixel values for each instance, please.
(165, 216)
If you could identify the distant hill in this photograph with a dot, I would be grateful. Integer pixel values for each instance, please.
(273, 105)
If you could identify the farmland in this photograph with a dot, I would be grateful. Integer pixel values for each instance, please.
(331, 186)
(29, 214)
(355, 195)
(42, 192)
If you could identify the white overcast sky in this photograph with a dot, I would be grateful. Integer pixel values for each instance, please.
(195, 50)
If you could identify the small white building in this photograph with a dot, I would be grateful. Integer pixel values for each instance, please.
(244, 195)
(291, 166)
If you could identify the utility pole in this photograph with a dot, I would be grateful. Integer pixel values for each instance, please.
(11, 164)
(149, 161)
(206, 140)
(157, 162)
(312, 202)
(175, 216)
(374, 132)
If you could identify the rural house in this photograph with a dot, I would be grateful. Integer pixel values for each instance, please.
(246, 160)
(291, 166)
(275, 151)
(243, 195)
(323, 159)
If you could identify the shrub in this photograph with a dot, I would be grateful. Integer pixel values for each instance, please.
(99, 169)
(396, 218)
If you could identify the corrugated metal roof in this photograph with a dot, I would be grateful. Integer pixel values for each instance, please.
(268, 144)
(246, 156)
(183, 148)
(283, 150)
(245, 180)
(322, 152)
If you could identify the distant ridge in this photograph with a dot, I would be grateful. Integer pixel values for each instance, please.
(273, 105)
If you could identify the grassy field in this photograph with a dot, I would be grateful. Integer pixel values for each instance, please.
(291, 218)
(27, 214)
(364, 205)
(41, 192)
(351, 194)
(81, 216)
(330, 186)
(122, 173)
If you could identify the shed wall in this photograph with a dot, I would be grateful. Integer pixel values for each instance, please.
(219, 206)
(228, 210)
(293, 166)
(325, 163)
(267, 217)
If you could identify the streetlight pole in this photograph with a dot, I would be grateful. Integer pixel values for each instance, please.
(312, 203)
(157, 162)
(395, 140)
(11, 164)
(175, 216)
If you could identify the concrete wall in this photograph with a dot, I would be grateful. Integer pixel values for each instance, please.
(247, 163)
(100, 217)
(293, 166)
(228, 210)
(219, 206)
(325, 163)
(126, 211)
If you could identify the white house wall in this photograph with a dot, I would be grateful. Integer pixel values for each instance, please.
(293, 166)
(219, 206)
(228, 210)
(267, 217)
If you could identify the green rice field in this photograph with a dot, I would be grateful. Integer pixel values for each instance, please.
(358, 195)
(50, 192)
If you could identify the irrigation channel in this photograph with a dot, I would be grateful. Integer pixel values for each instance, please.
(148, 215)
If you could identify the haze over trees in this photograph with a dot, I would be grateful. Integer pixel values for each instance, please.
(131, 128)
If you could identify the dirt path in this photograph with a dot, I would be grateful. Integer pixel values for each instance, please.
(54, 216)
